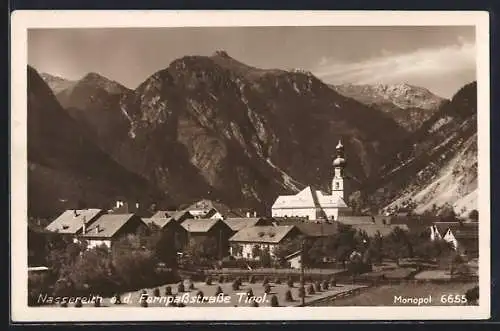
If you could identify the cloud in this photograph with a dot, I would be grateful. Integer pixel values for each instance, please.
(422, 64)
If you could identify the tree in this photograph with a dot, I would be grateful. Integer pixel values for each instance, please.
(447, 213)
(92, 272)
(201, 249)
(474, 215)
(397, 245)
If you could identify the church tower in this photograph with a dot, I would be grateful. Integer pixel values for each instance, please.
(338, 175)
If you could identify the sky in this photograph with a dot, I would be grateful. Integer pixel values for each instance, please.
(439, 58)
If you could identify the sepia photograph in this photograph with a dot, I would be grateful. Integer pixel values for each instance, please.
(328, 165)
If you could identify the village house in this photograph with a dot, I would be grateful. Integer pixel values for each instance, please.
(314, 204)
(200, 230)
(109, 228)
(211, 209)
(463, 236)
(247, 241)
(72, 221)
(171, 227)
(294, 260)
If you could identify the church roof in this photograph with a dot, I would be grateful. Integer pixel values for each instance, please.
(309, 198)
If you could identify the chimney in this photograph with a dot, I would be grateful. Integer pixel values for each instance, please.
(75, 213)
(97, 228)
(118, 203)
(248, 214)
(254, 214)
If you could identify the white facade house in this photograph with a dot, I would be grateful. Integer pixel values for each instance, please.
(314, 204)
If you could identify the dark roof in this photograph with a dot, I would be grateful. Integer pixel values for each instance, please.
(71, 221)
(262, 234)
(317, 229)
(291, 256)
(238, 223)
(353, 220)
(200, 224)
(372, 229)
(160, 222)
(107, 225)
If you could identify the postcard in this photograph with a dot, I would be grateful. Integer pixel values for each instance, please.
(249, 165)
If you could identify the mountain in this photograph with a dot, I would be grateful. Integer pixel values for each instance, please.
(65, 169)
(409, 105)
(56, 83)
(437, 165)
(213, 127)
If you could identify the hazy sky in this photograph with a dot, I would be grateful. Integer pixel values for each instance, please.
(441, 59)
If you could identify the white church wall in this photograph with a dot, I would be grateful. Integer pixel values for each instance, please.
(331, 213)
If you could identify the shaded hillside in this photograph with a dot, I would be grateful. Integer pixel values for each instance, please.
(214, 127)
(437, 164)
(409, 105)
(64, 168)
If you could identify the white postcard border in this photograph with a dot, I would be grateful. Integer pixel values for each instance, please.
(21, 21)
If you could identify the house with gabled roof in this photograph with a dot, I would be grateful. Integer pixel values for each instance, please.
(245, 242)
(109, 228)
(211, 209)
(72, 221)
(238, 223)
(171, 227)
(200, 230)
(463, 236)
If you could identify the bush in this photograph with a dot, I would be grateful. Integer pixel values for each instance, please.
(267, 288)
(239, 281)
(288, 296)
(181, 304)
(168, 291)
(64, 304)
(191, 285)
(221, 279)
(78, 303)
(317, 286)
(290, 282)
(277, 281)
(236, 285)
(255, 304)
(325, 285)
(97, 302)
(218, 291)
(310, 289)
(249, 293)
(156, 292)
(251, 279)
(333, 282)
(208, 280)
(200, 294)
(274, 301)
(265, 281)
(180, 287)
(144, 303)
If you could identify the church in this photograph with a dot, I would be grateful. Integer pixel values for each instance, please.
(314, 204)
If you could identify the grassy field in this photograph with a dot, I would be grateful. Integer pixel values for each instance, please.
(385, 295)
